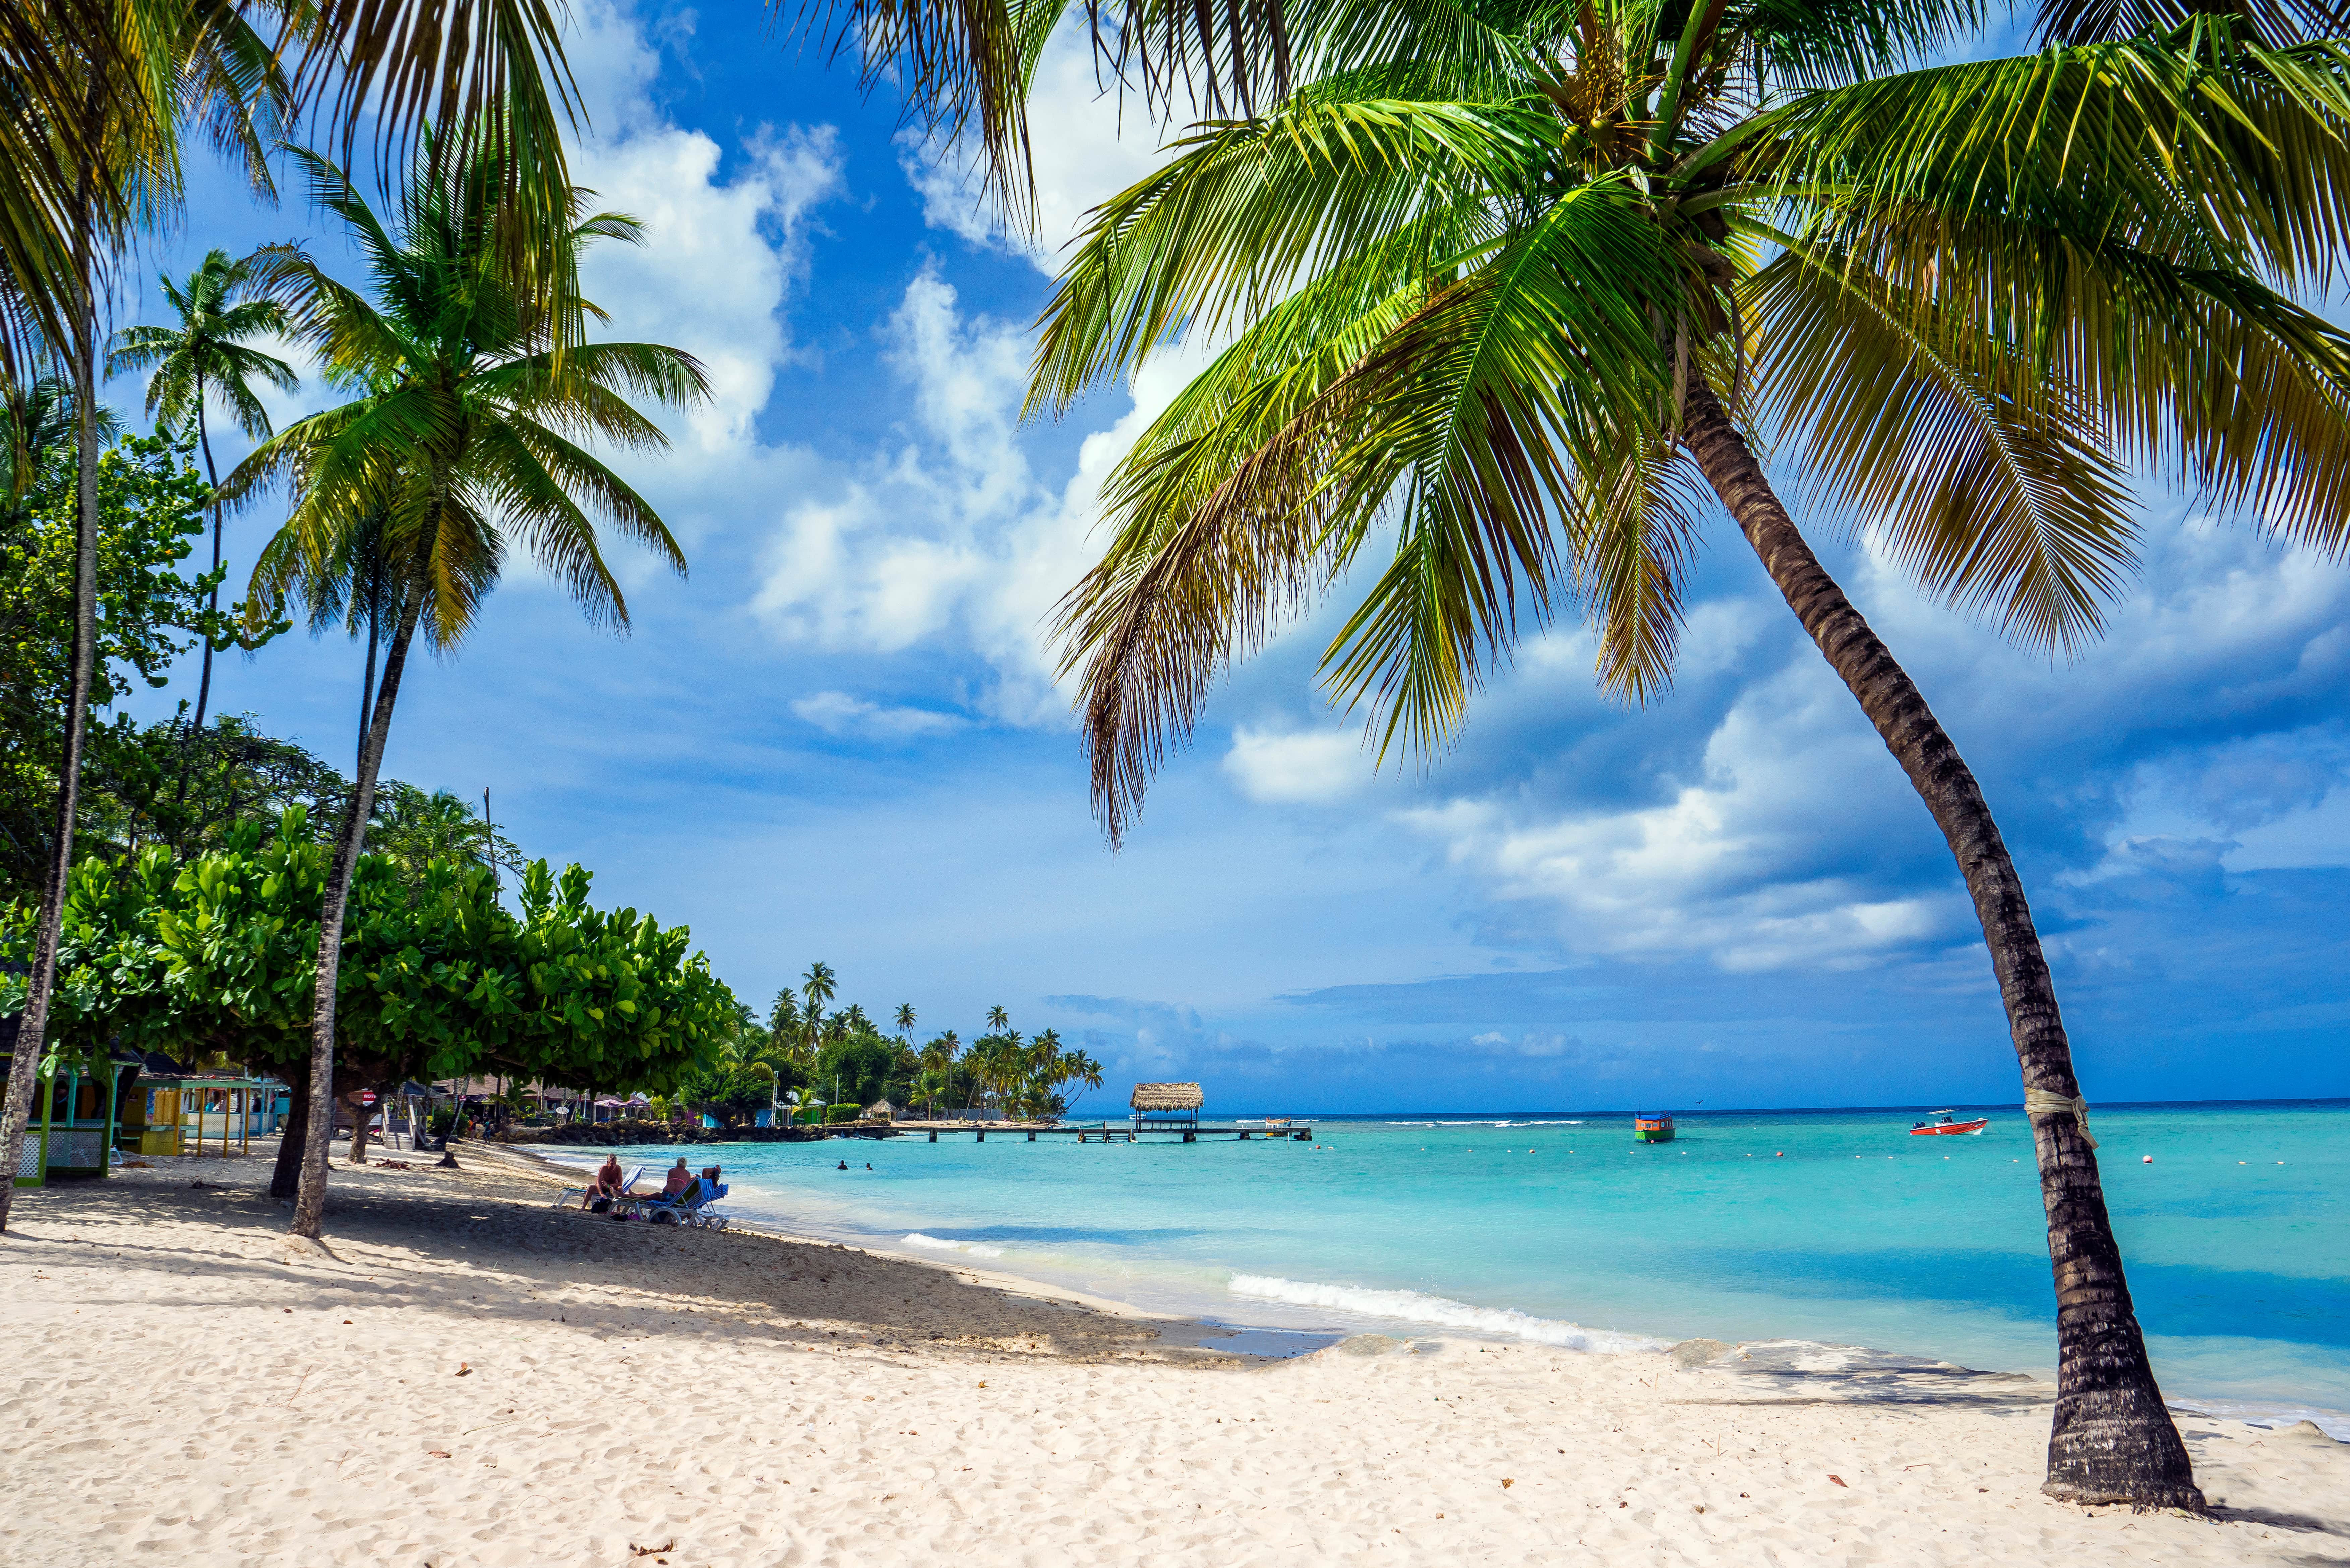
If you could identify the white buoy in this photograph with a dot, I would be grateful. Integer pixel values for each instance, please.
(2147, 1159)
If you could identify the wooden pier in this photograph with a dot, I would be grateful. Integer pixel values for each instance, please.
(1089, 1132)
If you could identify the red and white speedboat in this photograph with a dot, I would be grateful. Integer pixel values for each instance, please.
(1945, 1126)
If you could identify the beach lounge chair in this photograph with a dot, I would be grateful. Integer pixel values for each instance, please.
(688, 1208)
(661, 1210)
(570, 1194)
(707, 1215)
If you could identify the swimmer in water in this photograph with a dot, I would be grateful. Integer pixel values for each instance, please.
(842, 1166)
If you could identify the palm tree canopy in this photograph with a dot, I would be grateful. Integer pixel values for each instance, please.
(464, 438)
(1468, 275)
(205, 355)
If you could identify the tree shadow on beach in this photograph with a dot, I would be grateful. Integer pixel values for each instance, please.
(487, 1245)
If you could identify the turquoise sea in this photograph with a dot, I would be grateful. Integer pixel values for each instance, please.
(1832, 1226)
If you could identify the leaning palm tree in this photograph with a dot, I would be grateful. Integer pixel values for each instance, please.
(91, 124)
(463, 435)
(1508, 286)
(905, 1019)
(204, 357)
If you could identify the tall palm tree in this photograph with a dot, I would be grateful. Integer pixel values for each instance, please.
(204, 357)
(96, 113)
(463, 435)
(1487, 275)
(816, 988)
(998, 1020)
(938, 1064)
(905, 1019)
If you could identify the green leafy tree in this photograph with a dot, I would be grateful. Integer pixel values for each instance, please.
(857, 1069)
(204, 357)
(217, 956)
(151, 506)
(1509, 290)
(460, 442)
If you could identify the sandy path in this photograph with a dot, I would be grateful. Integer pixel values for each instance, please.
(478, 1379)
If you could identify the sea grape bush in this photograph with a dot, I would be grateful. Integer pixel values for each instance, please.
(437, 980)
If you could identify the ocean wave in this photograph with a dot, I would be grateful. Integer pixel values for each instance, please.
(1414, 1306)
(976, 1249)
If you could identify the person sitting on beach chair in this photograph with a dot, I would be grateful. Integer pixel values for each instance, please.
(680, 1179)
(606, 1186)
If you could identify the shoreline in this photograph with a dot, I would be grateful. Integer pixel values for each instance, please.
(469, 1376)
(1338, 1321)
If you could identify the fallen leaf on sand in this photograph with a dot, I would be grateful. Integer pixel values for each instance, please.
(1507, 1482)
(636, 1550)
(1839, 1479)
(465, 1369)
(438, 1453)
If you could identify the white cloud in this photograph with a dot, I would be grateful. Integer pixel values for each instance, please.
(950, 533)
(1085, 145)
(1730, 864)
(1315, 767)
(838, 714)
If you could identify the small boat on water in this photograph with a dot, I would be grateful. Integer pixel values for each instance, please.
(1651, 1129)
(1946, 1127)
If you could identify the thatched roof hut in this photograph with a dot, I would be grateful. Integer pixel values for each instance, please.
(879, 1111)
(1167, 1102)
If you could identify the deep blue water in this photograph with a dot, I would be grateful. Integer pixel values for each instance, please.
(1831, 1226)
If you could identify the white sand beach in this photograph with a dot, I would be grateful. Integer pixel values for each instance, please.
(476, 1378)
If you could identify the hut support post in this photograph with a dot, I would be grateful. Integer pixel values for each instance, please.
(48, 1106)
(106, 1149)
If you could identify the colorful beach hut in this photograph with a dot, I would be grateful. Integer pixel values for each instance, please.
(1166, 1104)
(76, 1112)
(181, 1113)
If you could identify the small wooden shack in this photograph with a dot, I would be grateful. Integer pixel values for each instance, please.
(879, 1111)
(1166, 1104)
(73, 1115)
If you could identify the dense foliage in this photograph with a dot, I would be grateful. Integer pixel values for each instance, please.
(216, 958)
(151, 504)
(810, 1058)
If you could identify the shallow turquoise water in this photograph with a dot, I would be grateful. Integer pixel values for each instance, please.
(1830, 1226)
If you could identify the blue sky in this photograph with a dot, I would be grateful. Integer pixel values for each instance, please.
(841, 739)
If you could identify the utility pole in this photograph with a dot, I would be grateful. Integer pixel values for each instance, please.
(490, 845)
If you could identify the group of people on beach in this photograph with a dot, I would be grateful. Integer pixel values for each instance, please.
(609, 1185)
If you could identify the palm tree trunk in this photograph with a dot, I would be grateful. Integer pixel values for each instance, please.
(16, 1107)
(2113, 1440)
(211, 606)
(367, 688)
(310, 1204)
(360, 1116)
(285, 1177)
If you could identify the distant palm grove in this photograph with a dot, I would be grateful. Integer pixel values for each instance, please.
(818, 1062)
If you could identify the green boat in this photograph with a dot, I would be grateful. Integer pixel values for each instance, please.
(1651, 1129)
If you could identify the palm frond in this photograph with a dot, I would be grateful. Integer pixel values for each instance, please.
(1247, 207)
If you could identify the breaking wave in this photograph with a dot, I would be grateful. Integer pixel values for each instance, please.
(976, 1249)
(1413, 1307)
